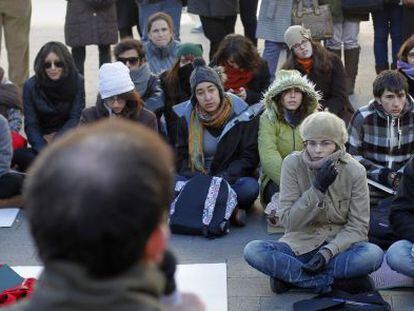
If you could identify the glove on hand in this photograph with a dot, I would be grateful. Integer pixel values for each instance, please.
(318, 261)
(325, 176)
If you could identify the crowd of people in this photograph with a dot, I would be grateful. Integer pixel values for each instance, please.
(289, 137)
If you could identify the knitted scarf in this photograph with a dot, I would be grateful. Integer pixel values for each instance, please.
(200, 119)
(236, 78)
(306, 63)
(406, 68)
(140, 77)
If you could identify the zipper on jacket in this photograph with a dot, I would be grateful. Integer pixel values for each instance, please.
(294, 141)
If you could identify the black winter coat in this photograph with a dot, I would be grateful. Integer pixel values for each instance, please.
(402, 208)
(127, 12)
(236, 156)
(91, 22)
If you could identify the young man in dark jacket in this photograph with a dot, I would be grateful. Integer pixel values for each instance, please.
(400, 255)
(97, 205)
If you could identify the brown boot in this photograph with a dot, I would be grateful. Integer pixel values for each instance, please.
(238, 218)
(351, 68)
(15, 201)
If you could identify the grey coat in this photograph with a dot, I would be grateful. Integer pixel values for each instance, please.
(213, 8)
(5, 146)
(274, 19)
(88, 22)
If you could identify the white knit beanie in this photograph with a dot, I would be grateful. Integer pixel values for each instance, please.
(114, 80)
(295, 34)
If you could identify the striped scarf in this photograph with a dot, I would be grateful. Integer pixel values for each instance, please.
(200, 119)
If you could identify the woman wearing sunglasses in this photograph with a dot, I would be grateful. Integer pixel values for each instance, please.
(53, 99)
(118, 98)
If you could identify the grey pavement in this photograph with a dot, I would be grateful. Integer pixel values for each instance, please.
(247, 289)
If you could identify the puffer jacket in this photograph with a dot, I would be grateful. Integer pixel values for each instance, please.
(310, 218)
(100, 111)
(380, 142)
(277, 138)
(91, 22)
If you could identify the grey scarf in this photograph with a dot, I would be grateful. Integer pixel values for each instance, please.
(140, 78)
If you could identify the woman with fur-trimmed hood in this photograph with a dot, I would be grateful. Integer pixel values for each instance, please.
(289, 100)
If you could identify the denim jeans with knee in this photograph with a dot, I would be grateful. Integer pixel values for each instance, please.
(271, 54)
(171, 7)
(277, 260)
(345, 33)
(400, 258)
(387, 22)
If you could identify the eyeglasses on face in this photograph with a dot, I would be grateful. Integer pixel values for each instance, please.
(111, 100)
(131, 60)
(58, 64)
(301, 44)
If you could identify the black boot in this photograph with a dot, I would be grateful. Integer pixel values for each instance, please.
(351, 68)
(381, 68)
(336, 52)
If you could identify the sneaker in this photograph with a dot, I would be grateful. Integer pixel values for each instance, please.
(279, 286)
(354, 285)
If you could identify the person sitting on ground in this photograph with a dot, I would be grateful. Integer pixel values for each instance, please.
(321, 67)
(131, 52)
(161, 48)
(218, 137)
(247, 74)
(288, 101)
(11, 107)
(176, 85)
(120, 180)
(118, 98)
(400, 255)
(324, 208)
(53, 100)
(10, 183)
(405, 62)
(380, 133)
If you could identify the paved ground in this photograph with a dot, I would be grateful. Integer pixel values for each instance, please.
(247, 289)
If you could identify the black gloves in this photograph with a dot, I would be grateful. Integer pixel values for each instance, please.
(318, 261)
(325, 176)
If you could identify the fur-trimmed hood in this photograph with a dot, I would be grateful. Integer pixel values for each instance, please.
(287, 79)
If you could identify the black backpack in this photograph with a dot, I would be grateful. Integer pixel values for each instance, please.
(203, 207)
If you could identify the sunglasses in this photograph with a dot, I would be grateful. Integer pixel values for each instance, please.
(132, 60)
(58, 64)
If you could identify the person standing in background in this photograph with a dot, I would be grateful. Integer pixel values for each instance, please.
(15, 18)
(127, 12)
(90, 22)
(248, 11)
(218, 18)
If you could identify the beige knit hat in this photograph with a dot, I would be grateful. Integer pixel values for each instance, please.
(324, 125)
(296, 34)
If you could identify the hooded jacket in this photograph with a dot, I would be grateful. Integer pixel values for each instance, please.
(67, 286)
(236, 155)
(277, 138)
(380, 142)
(131, 112)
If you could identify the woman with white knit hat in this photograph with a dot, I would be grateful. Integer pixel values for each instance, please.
(324, 208)
(118, 98)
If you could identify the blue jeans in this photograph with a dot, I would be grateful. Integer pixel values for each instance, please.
(246, 188)
(171, 7)
(345, 33)
(399, 257)
(387, 22)
(277, 260)
(271, 54)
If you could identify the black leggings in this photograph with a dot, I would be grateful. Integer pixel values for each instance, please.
(10, 185)
(79, 55)
(23, 158)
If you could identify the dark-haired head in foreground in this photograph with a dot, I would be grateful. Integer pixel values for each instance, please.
(98, 198)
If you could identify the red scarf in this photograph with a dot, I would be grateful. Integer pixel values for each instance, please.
(237, 78)
(306, 63)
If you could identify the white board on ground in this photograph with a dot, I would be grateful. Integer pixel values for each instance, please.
(8, 216)
(208, 281)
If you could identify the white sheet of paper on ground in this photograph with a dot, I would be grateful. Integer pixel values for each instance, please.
(208, 281)
(8, 216)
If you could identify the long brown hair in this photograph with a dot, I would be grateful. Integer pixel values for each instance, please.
(239, 49)
(171, 82)
(322, 60)
(405, 48)
(134, 104)
(305, 108)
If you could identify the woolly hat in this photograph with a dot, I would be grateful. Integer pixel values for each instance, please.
(296, 34)
(324, 125)
(114, 79)
(190, 49)
(285, 80)
(203, 73)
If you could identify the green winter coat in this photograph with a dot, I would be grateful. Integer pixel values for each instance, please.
(276, 137)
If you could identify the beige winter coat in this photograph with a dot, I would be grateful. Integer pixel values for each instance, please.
(339, 217)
